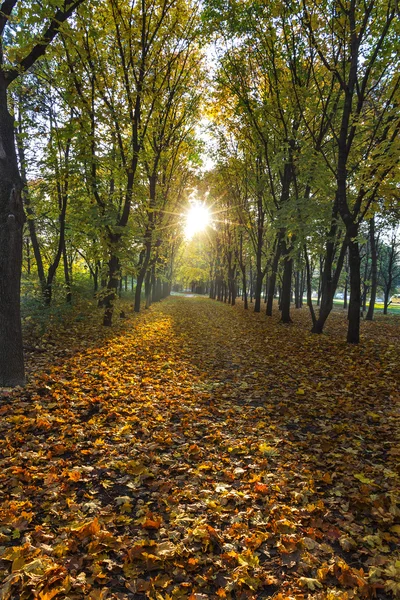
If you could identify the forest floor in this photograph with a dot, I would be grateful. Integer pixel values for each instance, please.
(198, 451)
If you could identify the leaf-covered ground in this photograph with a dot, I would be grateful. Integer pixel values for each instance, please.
(202, 452)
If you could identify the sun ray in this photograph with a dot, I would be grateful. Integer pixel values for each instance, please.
(198, 218)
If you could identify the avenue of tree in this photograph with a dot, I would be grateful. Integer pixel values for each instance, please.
(100, 103)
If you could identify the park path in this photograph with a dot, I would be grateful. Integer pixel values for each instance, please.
(204, 452)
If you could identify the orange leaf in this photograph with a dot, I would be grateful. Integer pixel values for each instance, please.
(151, 524)
(88, 529)
(261, 488)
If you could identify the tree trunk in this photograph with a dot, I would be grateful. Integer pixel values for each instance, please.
(234, 290)
(309, 288)
(112, 289)
(374, 270)
(143, 264)
(96, 278)
(320, 278)
(386, 297)
(353, 331)
(286, 284)
(147, 288)
(259, 275)
(28, 256)
(272, 279)
(297, 278)
(346, 284)
(251, 282)
(138, 290)
(68, 296)
(329, 285)
(11, 242)
(302, 286)
(246, 304)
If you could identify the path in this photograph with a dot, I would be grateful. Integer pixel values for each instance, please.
(205, 453)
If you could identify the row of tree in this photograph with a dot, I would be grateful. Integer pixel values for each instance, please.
(306, 121)
(104, 126)
(222, 264)
(98, 146)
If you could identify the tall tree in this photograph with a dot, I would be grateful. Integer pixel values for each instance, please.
(353, 42)
(12, 64)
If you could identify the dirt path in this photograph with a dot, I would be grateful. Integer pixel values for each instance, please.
(205, 453)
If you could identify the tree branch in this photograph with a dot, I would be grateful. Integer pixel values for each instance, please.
(5, 11)
(47, 37)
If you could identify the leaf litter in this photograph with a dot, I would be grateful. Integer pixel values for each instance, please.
(204, 452)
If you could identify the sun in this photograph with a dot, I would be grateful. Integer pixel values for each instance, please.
(198, 218)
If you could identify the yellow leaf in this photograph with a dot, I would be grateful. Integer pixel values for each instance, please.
(361, 477)
(395, 528)
(312, 584)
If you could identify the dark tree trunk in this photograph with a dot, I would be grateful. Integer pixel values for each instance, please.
(147, 288)
(146, 253)
(153, 296)
(346, 283)
(138, 290)
(329, 284)
(67, 278)
(143, 265)
(353, 331)
(374, 270)
(286, 285)
(11, 242)
(96, 278)
(386, 298)
(320, 278)
(159, 287)
(272, 278)
(246, 304)
(297, 288)
(302, 286)
(112, 289)
(309, 288)
(233, 288)
(251, 282)
(259, 281)
(28, 256)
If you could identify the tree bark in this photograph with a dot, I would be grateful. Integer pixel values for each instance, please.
(112, 289)
(11, 242)
(147, 288)
(272, 279)
(67, 278)
(374, 270)
(145, 259)
(309, 288)
(353, 330)
(329, 278)
(286, 284)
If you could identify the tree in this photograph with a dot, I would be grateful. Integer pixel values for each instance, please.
(12, 64)
(389, 266)
(353, 43)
